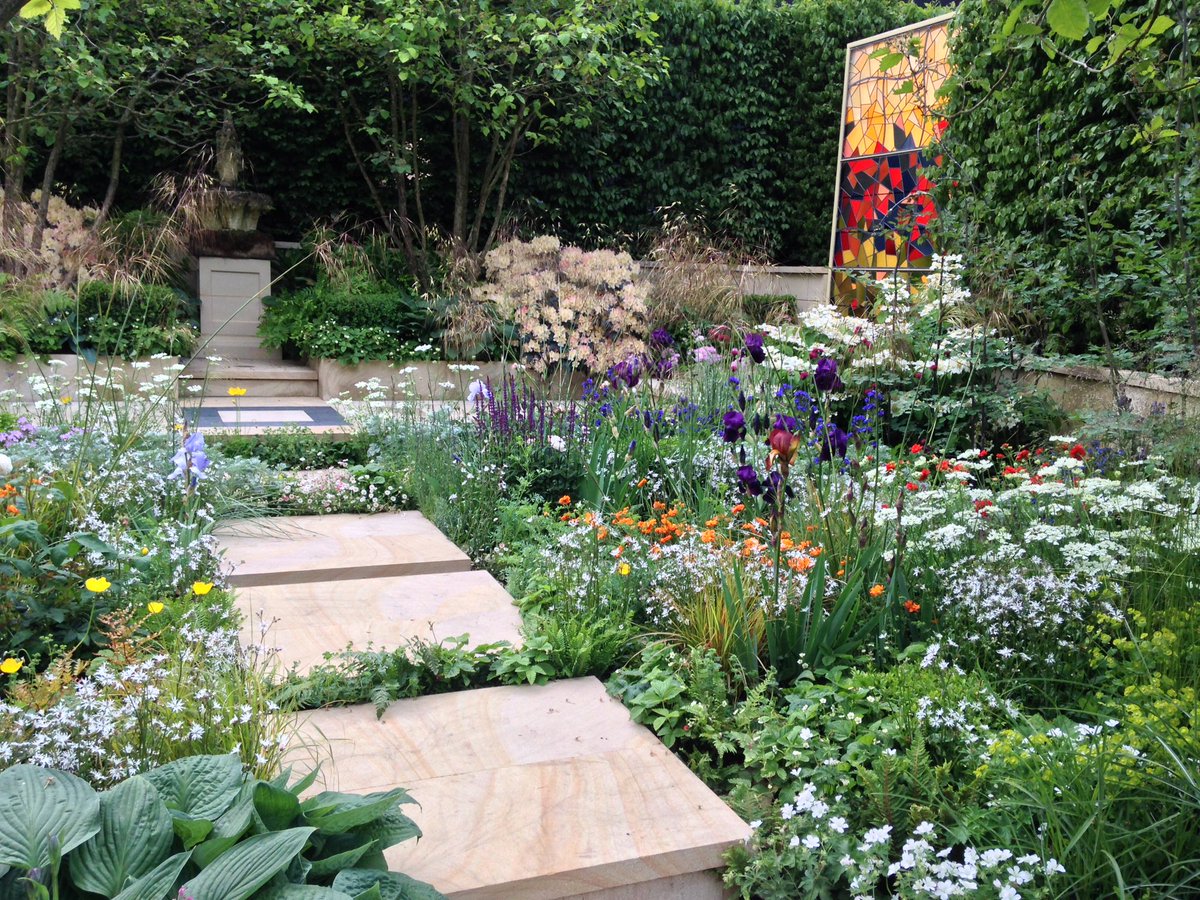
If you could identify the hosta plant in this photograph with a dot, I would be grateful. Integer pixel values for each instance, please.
(197, 828)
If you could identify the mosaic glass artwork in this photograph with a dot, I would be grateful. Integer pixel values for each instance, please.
(892, 116)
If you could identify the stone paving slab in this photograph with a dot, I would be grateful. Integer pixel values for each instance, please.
(533, 792)
(312, 618)
(296, 549)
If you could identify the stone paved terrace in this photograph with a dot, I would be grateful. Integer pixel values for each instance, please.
(531, 792)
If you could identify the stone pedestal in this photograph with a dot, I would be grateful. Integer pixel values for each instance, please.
(231, 292)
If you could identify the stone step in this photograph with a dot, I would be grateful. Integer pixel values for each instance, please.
(306, 620)
(298, 549)
(242, 347)
(533, 792)
(265, 378)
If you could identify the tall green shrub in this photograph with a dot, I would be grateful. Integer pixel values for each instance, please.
(1077, 201)
(743, 131)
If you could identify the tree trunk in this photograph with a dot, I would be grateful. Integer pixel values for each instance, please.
(462, 182)
(43, 210)
(114, 169)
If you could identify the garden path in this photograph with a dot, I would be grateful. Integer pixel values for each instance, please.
(529, 793)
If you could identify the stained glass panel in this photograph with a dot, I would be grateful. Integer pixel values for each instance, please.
(893, 113)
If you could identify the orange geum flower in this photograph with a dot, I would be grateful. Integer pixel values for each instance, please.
(911, 607)
(712, 523)
(564, 500)
(739, 508)
(642, 483)
(601, 533)
(708, 536)
(659, 505)
(877, 590)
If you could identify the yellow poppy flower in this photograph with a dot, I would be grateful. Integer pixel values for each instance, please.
(200, 588)
(624, 569)
(237, 392)
(97, 585)
(11, 666)
(155, 607)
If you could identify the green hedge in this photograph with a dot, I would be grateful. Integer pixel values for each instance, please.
(1066, 199)
(743, 132)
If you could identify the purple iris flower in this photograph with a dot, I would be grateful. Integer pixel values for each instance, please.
(662, 338)
(628, 370)
(749, 481)
(735, 426)
(190, 459)
(826, 377)
(834, 442)
(754, 346)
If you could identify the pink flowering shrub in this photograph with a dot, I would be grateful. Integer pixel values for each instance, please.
(573, 308)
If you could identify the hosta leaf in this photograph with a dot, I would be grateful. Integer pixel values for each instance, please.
(392, 828)
(36, 804)
(202, 787)
(351, 810)
(225, 832)
(158, 882)
(300, 892)
(331, 865)
(247, 866)
(135, 834)
(391, 885)
(278, 808)
(191, 831)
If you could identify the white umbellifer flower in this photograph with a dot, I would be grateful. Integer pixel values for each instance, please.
(422, 348)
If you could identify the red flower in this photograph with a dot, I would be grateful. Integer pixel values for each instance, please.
(911, 607)
(1022, 456)
(784, 446)
(916, 448)
(924, 475)
(1077, 452)
(912, 487)
(981, 506)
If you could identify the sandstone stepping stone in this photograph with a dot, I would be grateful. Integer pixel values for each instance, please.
(533, 792)
(311, 618)
(296, 549)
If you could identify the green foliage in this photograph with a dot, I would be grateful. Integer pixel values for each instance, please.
(480, 83)
(133, 322)
(198, 826)
(329, 321)
(295, 448)
(742, 132)
(1074, 195)
(34, 321)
